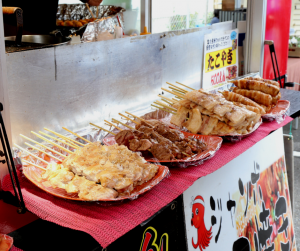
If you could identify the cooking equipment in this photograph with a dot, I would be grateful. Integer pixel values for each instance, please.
(19, 16)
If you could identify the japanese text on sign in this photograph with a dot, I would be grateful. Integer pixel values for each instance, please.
(218, 59)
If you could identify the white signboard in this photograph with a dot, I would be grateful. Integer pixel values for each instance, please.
(220, 57)
(245, 205)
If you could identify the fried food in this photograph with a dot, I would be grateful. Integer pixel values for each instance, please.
(257, 96)
(115, 167)
(257, 86)
(271, 82)
(237, 98)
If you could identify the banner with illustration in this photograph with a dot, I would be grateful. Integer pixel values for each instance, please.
(220, 58)
(245, 205)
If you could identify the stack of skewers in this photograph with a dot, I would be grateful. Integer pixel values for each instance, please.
(92, 171)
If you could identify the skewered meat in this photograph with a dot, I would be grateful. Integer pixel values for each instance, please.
(194, 122)
(162, 152)
(271, 82)
(276, 98)
(114, 166)
(257, 86)
(208, 124)
(223, 107)
(180, 116)
(58, 176)
(124, 137)
(257, 96)
(234, 97)
(162, 141)
(248, 107)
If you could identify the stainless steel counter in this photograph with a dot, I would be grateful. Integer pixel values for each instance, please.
(76, 84)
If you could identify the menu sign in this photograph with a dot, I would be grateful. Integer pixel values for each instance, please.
(245, 205)
(221, 58)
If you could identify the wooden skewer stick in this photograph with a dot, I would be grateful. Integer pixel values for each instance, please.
(28, 162)
(111, 124)
(103, 129)
(166, 101)
(178, 95)
(21, 148)
(163, 109)
(177, 87)
(50, 155)
(177, 90)
(76, 135)
(64, 137)
(49, 141)
(117, 121)
(89, 10)
(50, 149)
(59, 140)
(185, 86)
(128, 118)
(166, 106)
(136, 116)
(163, 97)
(178, 98)
(97, 13)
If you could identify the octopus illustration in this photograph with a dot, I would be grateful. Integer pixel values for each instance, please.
(204, 235)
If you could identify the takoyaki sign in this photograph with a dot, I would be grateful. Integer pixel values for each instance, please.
(220, 57)
(245, 205)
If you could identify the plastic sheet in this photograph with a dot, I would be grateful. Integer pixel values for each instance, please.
(34, 174)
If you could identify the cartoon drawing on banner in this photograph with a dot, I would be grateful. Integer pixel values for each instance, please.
(197, 221)
(258, 211)
(149, 241)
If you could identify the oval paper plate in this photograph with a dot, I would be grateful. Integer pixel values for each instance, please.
(213, 145)
(278, 111)
(6, 242)
(34, 175)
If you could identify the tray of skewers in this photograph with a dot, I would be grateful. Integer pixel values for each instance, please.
(232, 115)
(265, 94)
(69, 169)
(159, 143)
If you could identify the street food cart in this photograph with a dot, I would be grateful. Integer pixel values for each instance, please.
(237, 197)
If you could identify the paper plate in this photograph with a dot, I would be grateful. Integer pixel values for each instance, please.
(6, 242)
(278, 112)
(34, 174)
(213, 145)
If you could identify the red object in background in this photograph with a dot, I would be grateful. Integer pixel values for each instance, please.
(277, 29)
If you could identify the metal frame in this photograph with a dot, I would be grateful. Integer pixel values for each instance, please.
(256, 24)
(10, 164)
(146, 15)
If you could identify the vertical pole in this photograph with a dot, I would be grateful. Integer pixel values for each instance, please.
(3, 88)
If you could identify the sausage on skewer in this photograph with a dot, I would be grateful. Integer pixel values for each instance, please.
(257, 86)
(271, 82)
(234, 97)
(257, 96)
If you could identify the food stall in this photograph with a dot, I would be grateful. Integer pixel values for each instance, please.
(74, 85)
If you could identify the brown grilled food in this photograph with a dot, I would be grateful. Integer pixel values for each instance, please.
(115, 167)
(271, 82)
(237, 98)
(257, 96)
(257, 86)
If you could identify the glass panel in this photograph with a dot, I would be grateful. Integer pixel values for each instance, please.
(168, 15)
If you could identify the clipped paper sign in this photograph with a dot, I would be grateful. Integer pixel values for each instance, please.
(221, 58)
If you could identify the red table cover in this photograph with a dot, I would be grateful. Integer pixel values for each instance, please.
(108, 223)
